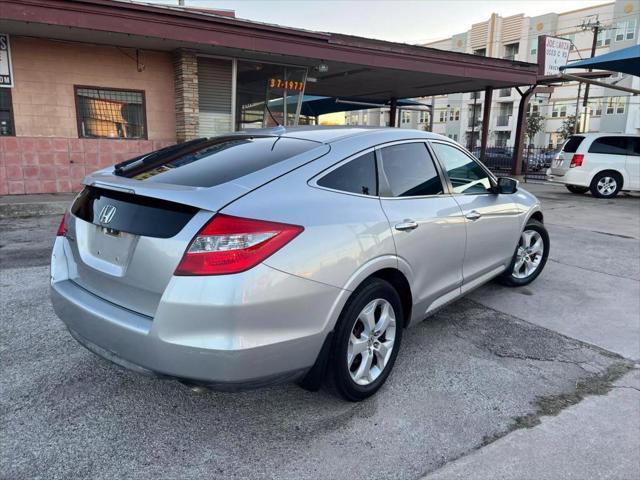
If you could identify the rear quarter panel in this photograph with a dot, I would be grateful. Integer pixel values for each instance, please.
(342, 232)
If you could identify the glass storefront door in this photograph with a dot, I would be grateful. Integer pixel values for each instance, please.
(268, 95)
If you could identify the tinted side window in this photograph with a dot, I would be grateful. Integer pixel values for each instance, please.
(410, 171)
(635, 146)
(465, 174)
(356, 176)
(572, 144)
(610, 145)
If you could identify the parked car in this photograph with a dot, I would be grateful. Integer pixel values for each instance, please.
(536, 159)
(603, 163)
(297, 255)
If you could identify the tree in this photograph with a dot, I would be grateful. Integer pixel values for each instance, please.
(568, 127)
(535, 123)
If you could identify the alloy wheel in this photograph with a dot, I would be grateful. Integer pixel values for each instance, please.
(371, 341)
(607, 186)
(529, 254)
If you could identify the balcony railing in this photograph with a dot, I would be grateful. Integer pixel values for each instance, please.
(503, 120)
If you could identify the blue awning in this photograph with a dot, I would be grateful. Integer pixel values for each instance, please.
(625, 60)
(313, 105)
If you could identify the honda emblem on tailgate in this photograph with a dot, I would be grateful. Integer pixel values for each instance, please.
(107, 213)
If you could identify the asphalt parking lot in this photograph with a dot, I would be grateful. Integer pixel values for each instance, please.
(484, 371)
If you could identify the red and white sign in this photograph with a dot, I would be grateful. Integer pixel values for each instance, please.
(553, 53)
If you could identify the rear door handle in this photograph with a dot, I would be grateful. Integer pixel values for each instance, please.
(473, 215)
(406, 225)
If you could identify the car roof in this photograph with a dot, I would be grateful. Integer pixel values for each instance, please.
(331, 134)
(603, 134)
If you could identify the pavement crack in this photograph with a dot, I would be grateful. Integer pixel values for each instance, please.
(626, 386)
(593, 270)
(552, 405)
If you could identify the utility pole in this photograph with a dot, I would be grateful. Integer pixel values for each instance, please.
(595, 27)
(576, 126)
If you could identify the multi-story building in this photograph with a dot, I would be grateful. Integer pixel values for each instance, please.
(516, 38)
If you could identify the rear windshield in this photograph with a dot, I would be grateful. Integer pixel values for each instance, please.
(210, 162)
(572, 144)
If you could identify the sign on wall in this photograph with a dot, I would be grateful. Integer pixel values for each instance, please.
(6, 75)
(553, 53)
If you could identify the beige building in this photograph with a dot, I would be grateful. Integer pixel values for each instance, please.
(516, 38)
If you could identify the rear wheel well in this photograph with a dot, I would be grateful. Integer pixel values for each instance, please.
(398, 281)
(613, 173)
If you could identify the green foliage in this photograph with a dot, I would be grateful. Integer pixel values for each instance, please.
(568, 127)
(535, 123)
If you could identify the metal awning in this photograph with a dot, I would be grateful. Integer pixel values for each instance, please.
(626, 60)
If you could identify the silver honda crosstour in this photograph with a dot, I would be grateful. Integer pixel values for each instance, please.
(285, 255)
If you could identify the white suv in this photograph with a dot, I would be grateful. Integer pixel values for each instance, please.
(604, 163)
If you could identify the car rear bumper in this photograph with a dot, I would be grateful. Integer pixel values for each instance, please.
(228, 332)
(574, 176)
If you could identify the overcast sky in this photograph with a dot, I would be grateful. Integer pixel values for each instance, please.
(411, 21)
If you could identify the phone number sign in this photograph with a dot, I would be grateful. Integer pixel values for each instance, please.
(293, 85)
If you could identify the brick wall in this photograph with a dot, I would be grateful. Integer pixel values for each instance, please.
(46, 156)
(48, 165)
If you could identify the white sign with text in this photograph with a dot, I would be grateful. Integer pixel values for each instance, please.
(6, 76)
(556, 54)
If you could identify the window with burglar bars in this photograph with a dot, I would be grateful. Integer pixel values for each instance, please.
(110, 113)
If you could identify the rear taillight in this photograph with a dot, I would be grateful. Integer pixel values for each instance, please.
(61, 228)
(231, 244)
(576, 160)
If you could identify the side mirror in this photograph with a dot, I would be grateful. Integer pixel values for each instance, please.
(507, 185)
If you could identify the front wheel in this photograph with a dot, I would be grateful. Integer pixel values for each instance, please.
(577, 189)
(366, 342)
(530, 256)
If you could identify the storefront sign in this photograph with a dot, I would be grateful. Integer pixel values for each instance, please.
(6, 76)
(286, 84)
(553, 53)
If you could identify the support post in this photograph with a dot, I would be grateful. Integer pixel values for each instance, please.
(393, 111)
(518, 142)
(486, 115)
(432, 112)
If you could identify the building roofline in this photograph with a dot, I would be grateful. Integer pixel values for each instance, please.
(206, 28)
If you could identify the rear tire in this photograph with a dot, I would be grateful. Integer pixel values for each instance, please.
(577, 189)
(530, 256)
(366, 341)
(606, 184)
